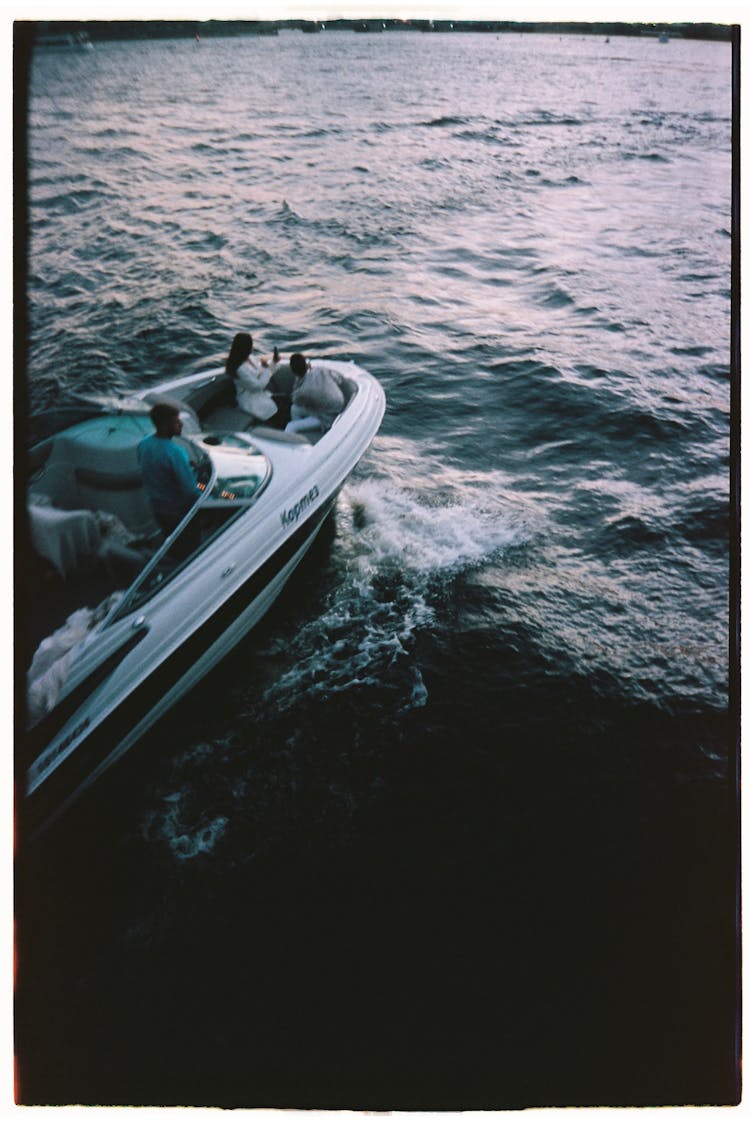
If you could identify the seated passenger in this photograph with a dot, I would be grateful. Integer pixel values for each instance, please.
(317, 398)
(281, 386)
(250, 379)
(168, 478)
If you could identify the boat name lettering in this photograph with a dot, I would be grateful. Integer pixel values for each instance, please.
(290, 516)
(71, 736)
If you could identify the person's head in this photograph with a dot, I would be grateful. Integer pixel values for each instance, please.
(298, 364)
(166, 419)
(241, 349)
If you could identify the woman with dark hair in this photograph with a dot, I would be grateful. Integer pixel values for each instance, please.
(250, 378)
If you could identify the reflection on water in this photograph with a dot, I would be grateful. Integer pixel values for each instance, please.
(463, 800)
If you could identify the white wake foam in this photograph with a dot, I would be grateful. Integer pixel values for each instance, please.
(401, 537)
(176, 822)
(422, 533)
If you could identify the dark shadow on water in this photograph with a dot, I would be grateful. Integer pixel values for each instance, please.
(521, 903)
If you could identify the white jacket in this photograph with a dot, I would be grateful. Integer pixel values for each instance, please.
(318, 394)
(252, 397)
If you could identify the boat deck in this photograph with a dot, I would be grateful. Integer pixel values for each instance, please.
(88, 585)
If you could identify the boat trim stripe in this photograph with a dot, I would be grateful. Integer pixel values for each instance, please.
(70, 773)
(47, 728)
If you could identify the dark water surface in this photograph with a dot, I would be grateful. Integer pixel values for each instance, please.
(456, 827)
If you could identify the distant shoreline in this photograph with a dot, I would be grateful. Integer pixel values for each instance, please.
(112, 30)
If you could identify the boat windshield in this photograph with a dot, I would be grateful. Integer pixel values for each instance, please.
(231, 479)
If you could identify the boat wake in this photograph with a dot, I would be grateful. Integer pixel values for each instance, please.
(397, 549)
(187, 835)
(387, 583)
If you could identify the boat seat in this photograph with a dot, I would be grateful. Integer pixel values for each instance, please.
(219, 391)
(190, 419)
(109, 480)
(120, 493)
(280, 435)
(228, 419)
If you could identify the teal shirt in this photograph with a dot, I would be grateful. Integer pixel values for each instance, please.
(168, 478)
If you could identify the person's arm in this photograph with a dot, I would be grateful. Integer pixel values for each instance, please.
(252, 377)
(282, 380)
(184, 472)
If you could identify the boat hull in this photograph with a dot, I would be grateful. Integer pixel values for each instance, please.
(105, 742)
(144, 660)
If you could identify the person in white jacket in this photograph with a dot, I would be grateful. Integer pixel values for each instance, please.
(250, 378)
(317, 398)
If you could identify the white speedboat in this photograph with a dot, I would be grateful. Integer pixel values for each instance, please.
(133, 620)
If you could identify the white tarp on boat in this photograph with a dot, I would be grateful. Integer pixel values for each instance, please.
(64, 536)
(51, 663)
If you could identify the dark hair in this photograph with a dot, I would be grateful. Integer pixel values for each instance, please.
(242, 345)
(162, 413)
(298, 364)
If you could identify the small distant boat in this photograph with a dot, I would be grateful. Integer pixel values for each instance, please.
(662, 36)
(65, 41)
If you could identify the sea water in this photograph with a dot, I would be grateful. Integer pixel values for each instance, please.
(454, 828)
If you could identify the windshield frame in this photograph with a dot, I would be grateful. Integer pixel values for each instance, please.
(195, 447)
(130, 601)
(124, 606)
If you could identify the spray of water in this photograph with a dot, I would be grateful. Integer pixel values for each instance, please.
(403, 533)
(397, 546)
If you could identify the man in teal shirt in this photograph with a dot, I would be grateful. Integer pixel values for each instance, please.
(168, 478)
